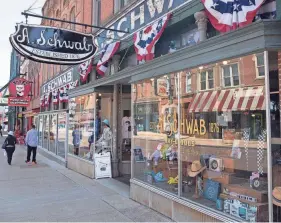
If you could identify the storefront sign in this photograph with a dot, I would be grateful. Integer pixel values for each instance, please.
(19, 90)
(162, 87)
(58, 82)
(52, 45)
(18, 101)
(141, 14)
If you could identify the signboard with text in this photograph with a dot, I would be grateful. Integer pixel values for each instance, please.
(54, 45)
(141, 14)
(18, 101)
(19, 90)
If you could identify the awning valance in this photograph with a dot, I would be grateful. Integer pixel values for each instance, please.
(238, 99)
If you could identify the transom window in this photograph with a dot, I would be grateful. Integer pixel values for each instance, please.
(207, 79)
(230, 74)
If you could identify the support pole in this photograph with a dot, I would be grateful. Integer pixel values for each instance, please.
(70, 22)
(115, 172)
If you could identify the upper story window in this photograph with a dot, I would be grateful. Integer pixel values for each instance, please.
(72, 18)
(230, 75)
(259, 61)
(65, 3)
(119, 4)
(64, 24)
(206, 79)
(188, 82)
(58, 13)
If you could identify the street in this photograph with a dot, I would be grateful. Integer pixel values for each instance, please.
(50, 192)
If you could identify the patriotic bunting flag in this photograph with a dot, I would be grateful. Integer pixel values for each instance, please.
(42, 101)
(85, 69)
(145, 40)
(47, 100)
(226, 15)
(63, 96)
(55, 97)
(267, 10)
(106, 55)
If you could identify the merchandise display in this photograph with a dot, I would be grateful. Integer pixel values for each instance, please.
(210, 140)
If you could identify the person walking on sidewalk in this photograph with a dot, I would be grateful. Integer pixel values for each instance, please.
(10, 146)
(1, 133)
(31, 140)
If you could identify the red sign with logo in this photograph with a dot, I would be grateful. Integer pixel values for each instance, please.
(19, 90)
(18, 101)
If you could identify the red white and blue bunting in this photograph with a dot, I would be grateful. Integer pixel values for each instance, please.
(42, 101)
(226, 15)
(85, 69)
(55, 95)
(267, 10)
(145, 39)
(107, 53)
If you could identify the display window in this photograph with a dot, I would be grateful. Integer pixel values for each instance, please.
(207, 145)
(82, 123)
(274, 59)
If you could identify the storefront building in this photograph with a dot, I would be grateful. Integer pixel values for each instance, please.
(52, 119)
(206, 123)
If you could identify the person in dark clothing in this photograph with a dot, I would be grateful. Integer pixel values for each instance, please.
(1, 133)
(10, 146)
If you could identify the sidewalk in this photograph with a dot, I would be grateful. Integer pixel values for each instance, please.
(50, 192)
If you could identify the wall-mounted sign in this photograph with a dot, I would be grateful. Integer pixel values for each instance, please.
(58, 82)
(19, 90)
(53, 45)
(19, 87)
(140, 15)
(18, 101)
(162, 87)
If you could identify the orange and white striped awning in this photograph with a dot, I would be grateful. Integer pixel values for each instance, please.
(237, 99)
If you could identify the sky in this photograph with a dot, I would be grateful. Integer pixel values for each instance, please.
(10, 14)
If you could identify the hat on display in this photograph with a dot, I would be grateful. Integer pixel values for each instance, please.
(196, 168)
(105, 121)
(11, 133)
(276, 195)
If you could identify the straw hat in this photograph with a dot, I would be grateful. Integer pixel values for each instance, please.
(195, 169)
(276, 194)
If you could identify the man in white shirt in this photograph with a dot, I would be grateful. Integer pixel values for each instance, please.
(31, 141)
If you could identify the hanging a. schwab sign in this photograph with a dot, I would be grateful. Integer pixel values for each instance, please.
(53, 45)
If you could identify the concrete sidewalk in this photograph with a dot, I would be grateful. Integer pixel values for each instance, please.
(50, 192)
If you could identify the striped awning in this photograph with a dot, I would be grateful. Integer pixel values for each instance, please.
(238, 99)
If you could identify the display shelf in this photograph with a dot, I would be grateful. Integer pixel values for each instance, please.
(226, 196)
(245, 189)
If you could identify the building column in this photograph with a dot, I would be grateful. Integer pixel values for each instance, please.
(115, 172)
(201, 21)
(115, 61)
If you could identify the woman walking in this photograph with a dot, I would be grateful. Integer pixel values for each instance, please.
(10, 146)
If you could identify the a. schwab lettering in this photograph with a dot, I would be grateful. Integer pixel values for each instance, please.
(137, 17)
(53, 45)
(188, 126)
(58, 82)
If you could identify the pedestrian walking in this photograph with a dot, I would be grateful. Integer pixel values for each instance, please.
(10, 146)
(1, 133)
(31, 140)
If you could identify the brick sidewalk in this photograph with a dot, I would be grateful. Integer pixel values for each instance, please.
(50, 192)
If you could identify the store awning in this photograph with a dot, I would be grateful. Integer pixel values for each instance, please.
(238, 99)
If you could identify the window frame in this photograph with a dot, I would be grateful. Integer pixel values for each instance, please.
(72, 18)
(207, 79)
(231, 75)
(259, 66)
(188, 75)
